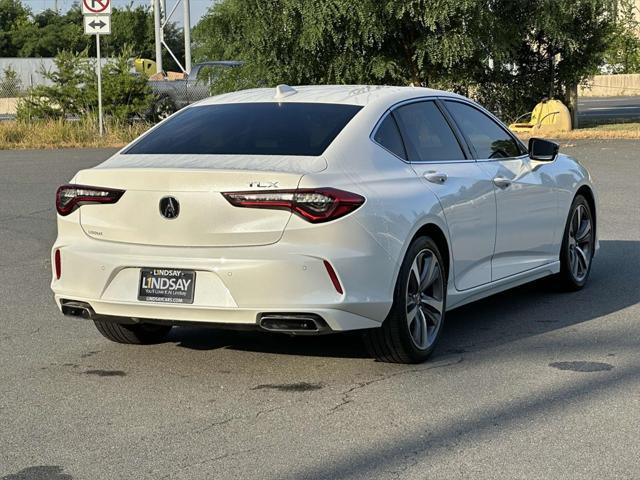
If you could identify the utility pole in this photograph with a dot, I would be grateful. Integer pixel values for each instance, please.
(160, 19)
(158, 32)
(186, 21)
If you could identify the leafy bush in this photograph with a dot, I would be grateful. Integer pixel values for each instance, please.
(70, 93)
(74, 92)
(124, 95)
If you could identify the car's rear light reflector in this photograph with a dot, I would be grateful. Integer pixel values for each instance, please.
(316, 205)
(71, 197)
(57, 260)
(333, 276)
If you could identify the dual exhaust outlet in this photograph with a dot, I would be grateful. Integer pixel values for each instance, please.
(290, 323)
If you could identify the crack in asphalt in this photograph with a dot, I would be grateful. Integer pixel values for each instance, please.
(255, 415)
(207, 461)
(216, 424)
(347, 394)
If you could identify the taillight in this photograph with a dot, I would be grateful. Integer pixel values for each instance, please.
(70, 197)
(57, 264)
(316, 205)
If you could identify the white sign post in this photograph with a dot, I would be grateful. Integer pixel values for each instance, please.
(97, 21)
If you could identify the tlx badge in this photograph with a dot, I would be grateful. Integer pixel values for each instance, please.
(264, 184)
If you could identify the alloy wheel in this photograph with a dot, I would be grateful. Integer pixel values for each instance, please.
(425, 299)
(580, 243)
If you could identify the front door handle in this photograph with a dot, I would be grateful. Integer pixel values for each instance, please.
(501, 182)
(436, 177)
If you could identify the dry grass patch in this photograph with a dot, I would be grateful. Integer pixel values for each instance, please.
(601, 132)
(66, 134)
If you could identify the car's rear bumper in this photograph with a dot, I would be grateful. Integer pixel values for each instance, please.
(329, 319)
(233, 286)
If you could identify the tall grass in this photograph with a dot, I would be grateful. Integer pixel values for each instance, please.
(67, 134)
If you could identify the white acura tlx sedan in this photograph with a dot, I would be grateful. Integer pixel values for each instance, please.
(319, 209)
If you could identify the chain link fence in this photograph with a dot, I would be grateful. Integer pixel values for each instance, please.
(11, 89)
(17, 76)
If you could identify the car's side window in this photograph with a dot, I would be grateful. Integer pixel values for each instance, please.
(426, 133)
(389, 137)
(488, 139)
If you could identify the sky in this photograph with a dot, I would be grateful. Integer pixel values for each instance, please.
(198, 7)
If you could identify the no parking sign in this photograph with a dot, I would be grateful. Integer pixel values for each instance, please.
(92, 7)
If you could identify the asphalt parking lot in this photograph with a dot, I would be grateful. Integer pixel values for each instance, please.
(530, 383)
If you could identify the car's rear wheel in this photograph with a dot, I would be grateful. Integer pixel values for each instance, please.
(578, 246)
(140, 334)
(412, 329)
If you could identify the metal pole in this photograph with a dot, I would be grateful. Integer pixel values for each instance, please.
(99, 67)
(187, 34)
(158, 32)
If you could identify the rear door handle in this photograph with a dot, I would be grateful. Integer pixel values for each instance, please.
(501, 182)
(436, 177)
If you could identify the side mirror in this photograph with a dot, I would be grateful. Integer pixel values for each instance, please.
(543, 150)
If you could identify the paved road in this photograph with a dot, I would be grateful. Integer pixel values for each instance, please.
(599, 109)
(526, 384)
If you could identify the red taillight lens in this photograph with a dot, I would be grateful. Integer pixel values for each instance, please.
(70, 197)
(316, 205)
(57, 263)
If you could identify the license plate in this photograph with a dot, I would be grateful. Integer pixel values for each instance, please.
(166, 285)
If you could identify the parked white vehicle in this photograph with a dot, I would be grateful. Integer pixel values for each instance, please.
(319, 209)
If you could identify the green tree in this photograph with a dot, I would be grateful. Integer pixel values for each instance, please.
(13, 15)
(546, 48)
(340, 41)
(49, 32)
(623, 53)
(507, 53)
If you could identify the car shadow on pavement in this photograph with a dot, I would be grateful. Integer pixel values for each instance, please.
(529, 310)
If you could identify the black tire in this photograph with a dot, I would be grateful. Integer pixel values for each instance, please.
(140, 334)
(161, 108)
(567, 279)
(393, 341)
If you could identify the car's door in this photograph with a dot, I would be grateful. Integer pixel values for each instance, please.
(526, 196)
(464, 190)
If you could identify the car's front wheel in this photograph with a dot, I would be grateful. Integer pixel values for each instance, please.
(411, 331)
(578, 246)
(141, 334)
(162, 107)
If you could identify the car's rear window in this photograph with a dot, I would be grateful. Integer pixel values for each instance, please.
(249, 128)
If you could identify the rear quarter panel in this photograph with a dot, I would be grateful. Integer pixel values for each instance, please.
(397, 204)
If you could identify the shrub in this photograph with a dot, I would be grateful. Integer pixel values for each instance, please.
(74, 93)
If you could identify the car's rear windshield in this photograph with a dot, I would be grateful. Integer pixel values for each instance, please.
(249, 128)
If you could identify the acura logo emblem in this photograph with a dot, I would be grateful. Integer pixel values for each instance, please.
(169, 207)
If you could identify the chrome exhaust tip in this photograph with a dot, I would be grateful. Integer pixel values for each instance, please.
(73, 308)
(294, 324)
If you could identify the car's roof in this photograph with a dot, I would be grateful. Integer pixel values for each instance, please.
(344, 94)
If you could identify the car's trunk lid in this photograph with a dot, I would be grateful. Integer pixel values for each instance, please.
(204, 216)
